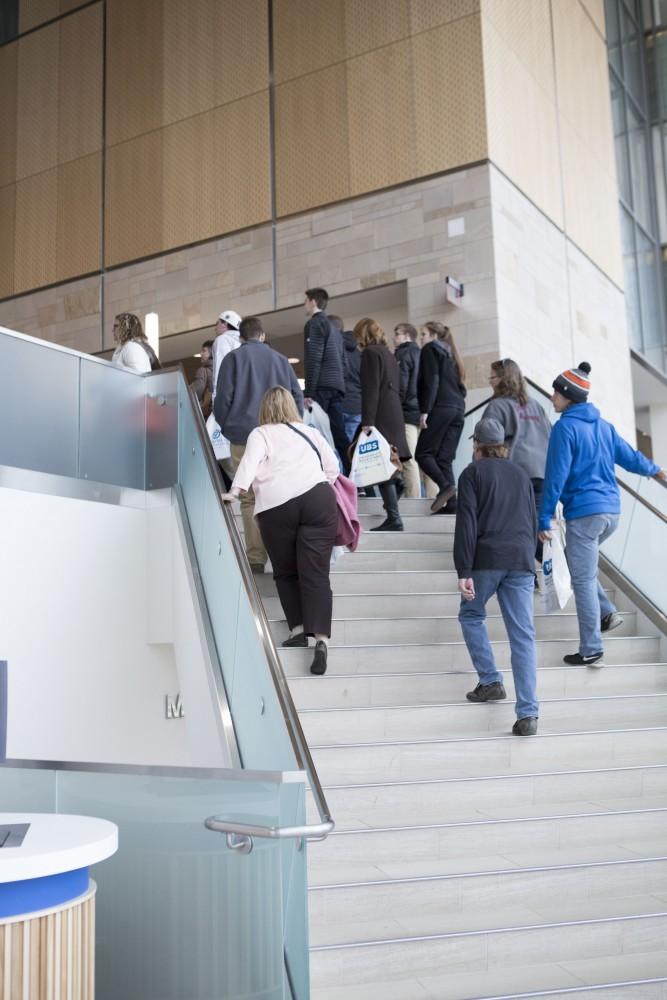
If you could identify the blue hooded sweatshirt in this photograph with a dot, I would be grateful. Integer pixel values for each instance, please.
(583, 449)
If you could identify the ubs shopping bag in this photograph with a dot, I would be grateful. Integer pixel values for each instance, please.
(555, 586)
(219, 442)
(371, 462)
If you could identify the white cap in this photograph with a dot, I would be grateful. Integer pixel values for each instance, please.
(230, 318)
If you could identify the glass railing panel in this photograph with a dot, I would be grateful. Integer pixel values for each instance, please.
(161, 429)
(25, 789)
(39, 406)
(295, 890)
(113, 425)
(636, 549)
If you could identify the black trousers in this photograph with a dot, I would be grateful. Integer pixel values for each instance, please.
(437, 444)
(331, 401)
(299, 536)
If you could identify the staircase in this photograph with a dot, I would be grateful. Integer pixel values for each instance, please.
(467, 863)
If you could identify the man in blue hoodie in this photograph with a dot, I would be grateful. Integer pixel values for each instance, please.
(583, 450)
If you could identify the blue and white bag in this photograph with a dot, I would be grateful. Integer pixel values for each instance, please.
(371, 462)
(221, 446)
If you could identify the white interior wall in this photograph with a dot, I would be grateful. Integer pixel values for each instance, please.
(97, 623)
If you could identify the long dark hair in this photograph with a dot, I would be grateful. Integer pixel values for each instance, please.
(511, 384)
(443, 333)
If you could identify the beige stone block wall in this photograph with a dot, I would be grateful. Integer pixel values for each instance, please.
(556, 307)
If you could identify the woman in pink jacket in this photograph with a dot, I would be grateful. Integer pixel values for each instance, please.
(291, 470)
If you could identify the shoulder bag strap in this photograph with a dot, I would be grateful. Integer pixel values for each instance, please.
(306, 438)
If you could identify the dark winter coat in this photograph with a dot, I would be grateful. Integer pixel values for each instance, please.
(323, 355)
(352, 361)
(381, 396)
(438, 381)
(407, 355)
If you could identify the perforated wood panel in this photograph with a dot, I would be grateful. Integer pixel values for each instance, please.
(308, 35)
(309, 170)
(370, 24)
(427, 14)
(380, 97)
(134, 68)
(36, 223)
(80, 84)
(79, 216)
(7, 218)
(133, 220)
(450, 122)
(8, 89)
(37, 138)
(35, 12)
(520, 99)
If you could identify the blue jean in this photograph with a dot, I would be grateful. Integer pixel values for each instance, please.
(515, 591)
(351, 421)
(582, 541)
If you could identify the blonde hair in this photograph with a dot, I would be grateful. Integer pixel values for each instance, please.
(278, 407)
(368, 332)
(443, 333)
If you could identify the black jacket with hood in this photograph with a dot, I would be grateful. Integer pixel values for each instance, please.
(408, 356)
(438, 382)
(352, 372)
(323, 355)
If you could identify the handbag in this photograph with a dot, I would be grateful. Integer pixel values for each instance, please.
(348, 528)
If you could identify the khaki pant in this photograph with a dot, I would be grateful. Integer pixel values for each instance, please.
(254, 546)
(411, 474)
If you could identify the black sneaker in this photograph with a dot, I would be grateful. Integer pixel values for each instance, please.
(442, 498)
(319, 664)
(391, 524)
(525, 727)
(577, 660)
(611, 621)
(299, 640)
(487, 692)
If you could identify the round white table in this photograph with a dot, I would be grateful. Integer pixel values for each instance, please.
(47, 903)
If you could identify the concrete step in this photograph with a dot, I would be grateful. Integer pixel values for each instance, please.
(496, 953)
(472, 756)
(338, 726)
(401, 657)
(375, 690)
(362, 854)
(398, 558)
(408, 508)
(386, 541)
(401, 606)
(361, 583)
(440, 628)
(430, 523)
(497, 796)
(422, 905)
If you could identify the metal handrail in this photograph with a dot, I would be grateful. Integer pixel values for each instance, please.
(239, 835)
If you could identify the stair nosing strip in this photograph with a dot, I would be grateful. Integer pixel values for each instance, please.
(504, 702)
(497, 821)
(409, 879)
(447, 618)
(564, 990)
(490, 930)
(459, 642)
(485, 738)
(459, 673)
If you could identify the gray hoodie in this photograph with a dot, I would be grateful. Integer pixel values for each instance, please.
(527, 431)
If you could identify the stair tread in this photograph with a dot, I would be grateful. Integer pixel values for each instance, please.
(474, 920)
(435, 868)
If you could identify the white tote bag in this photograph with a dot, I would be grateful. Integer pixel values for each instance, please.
(371, 462)
(317, 418)
(555, 586)
(221, 446)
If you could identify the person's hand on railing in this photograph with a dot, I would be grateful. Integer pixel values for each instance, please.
(233, 495)
(661, 476)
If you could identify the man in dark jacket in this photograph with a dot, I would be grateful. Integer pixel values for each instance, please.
(407, 354)
(323, 364)
(494, 549)
(244, 376)
(351, 401)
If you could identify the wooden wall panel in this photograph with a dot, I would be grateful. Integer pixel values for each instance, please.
(311, 172)
(79, 216)
(308, 35)
(133, 201)
(37, 110)
(449, 107)
(35, 234)
(80, 84)
(371, 24)
(7, 218)
(8, 120)
(35, 12)
(427, 14)
(382, 149)
(134, 68)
